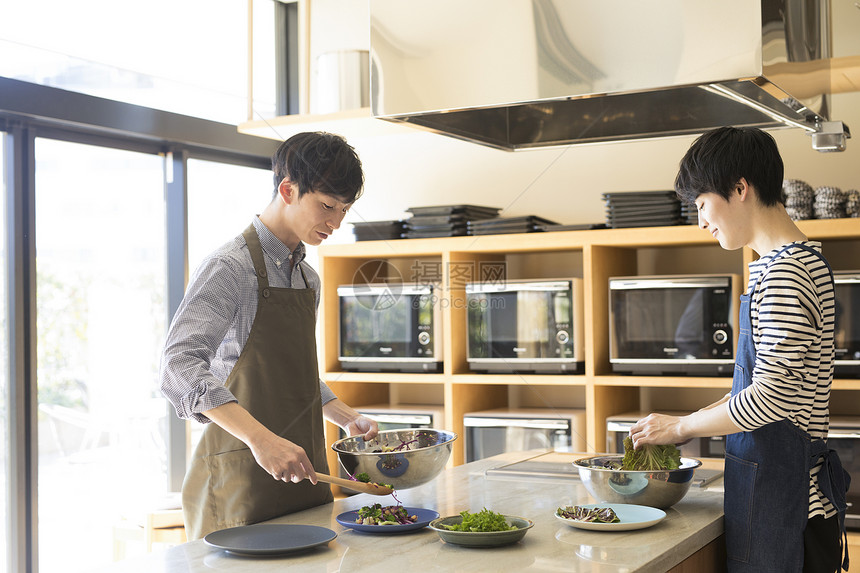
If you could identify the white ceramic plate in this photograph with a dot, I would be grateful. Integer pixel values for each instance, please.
(631, 516)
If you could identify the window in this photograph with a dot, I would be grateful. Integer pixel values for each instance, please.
(188, 57)
(4, 364)
(101, 320)
(222, 201)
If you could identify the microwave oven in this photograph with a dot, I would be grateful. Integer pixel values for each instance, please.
(403, 416)
(673, 324)
(618, 427)
(525, 326)
(847, 324)
(389, 327)
(492, 432)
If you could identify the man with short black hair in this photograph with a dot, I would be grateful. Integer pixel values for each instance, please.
(784, 489)
(241, 350)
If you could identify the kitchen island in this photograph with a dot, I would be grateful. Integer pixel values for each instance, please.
(690, 534)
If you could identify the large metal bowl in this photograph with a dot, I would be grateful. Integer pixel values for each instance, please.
(400, 458)
(661, 489)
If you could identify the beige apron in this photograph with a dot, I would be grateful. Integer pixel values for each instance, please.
(276, 380)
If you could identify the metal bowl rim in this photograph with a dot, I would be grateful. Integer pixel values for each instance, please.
(451, 436)
(583, 463)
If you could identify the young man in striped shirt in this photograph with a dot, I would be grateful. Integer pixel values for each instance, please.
(784, 490)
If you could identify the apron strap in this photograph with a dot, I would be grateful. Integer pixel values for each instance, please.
(834, 482)
(256, 252)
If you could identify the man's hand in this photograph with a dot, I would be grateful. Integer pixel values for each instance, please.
(658, 429)
(283, 459)
(351, 421)
(364, 426)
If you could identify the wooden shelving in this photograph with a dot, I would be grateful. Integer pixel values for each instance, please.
(592, 255)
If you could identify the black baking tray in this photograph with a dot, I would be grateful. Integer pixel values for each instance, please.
(510, 221)
(472, 210)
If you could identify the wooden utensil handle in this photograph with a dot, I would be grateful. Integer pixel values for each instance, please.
(363, 487)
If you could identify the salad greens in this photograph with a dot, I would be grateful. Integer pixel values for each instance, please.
(377, 514)
(595, 514)
(364, 477)
(484, 520)
(650, 457)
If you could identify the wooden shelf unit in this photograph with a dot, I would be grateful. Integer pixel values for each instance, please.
(593, 255)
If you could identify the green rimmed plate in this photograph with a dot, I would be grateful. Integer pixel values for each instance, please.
(481, 538)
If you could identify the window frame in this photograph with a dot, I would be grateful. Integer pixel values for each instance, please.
(28, 111)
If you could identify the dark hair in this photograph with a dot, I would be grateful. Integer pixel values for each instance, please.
(719, 158)
(319, 162)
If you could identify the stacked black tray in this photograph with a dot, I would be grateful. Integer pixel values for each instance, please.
(526, 224)
(642, 209)
(690, 214)
(573, 227)
(445, 220)
(378, 230)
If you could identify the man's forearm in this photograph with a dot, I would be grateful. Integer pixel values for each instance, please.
(713, 420)
(337, 412)
(237, 421)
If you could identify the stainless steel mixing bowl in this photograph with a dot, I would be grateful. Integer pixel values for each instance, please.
(662, 489)
(400, 458)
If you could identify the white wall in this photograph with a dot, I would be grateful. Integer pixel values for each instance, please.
(563, 184)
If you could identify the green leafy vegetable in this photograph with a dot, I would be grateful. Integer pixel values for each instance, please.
(650, 457)
(363, 477)
(484, 520)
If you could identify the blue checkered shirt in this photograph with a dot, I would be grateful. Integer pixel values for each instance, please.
(213, 321)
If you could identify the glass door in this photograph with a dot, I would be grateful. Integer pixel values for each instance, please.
(101, 320)
(4, 366)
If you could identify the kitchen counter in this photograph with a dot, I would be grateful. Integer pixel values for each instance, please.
(690, 525)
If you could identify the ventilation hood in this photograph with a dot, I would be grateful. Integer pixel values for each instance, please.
(518, 74)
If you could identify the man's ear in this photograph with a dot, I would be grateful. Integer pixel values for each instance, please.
(743, 189)
(286, 191)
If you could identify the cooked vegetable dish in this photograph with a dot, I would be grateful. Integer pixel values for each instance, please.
(595, 514)
(378, 514)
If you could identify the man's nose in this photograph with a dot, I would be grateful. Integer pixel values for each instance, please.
(334, 222)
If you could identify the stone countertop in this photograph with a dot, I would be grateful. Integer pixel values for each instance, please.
(550, 545)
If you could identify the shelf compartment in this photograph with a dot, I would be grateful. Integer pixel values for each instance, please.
(337, 376)
(665, 381)
(528, 379)
(461, 399)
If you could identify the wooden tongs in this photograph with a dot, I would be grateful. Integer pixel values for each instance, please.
(359, 486)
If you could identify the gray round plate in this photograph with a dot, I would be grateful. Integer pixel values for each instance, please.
(269, 538)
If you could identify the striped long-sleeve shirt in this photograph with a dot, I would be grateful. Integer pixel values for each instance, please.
(213, 321)
(792, 310)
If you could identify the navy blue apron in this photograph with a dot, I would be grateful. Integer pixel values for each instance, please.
(767, 478)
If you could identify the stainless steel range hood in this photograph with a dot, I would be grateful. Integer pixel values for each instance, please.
(516, 74)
